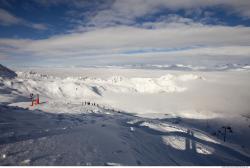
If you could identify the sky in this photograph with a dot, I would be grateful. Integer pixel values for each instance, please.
(122, 32)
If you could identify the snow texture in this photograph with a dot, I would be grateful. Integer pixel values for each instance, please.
(134, 117)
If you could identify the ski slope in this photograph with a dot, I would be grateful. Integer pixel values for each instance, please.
(135, 117)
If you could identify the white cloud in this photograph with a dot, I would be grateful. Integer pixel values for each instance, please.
(8, 19)
(126, 12)
(142, 7)
(103, 35)
(113, 43)
(125, 37)
(146, 6)
(39, 26)
(112, 13)
(215, 51)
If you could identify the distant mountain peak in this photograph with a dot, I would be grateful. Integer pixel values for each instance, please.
(6, 72)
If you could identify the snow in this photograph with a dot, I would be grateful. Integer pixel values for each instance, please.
(132, 129)
(134, 117)
(165, 83)
(163, 127)
(3, 156)
(6, 73)
(76, 88)
(175, 142)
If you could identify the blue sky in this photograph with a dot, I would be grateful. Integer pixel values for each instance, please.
(111, 32)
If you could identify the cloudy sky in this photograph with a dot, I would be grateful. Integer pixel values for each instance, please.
(117, 32)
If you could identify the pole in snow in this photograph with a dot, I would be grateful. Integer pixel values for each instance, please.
(37, 99)
(226, 128)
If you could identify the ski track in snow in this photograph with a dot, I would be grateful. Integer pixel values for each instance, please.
(62, 130)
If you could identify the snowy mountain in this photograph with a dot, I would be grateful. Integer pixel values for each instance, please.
(6, 73)
(125, 117)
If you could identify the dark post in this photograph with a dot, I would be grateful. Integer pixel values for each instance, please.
(225, 131)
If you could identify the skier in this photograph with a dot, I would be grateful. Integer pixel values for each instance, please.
(32, 99)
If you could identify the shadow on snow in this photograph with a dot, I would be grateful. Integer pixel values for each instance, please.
(144, 144)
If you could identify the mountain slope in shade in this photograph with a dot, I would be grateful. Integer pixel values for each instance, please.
(6, 73)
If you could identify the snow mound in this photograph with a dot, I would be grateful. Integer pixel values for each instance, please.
(6, 73)
(168, 83)
(85, 87)
(57, 88)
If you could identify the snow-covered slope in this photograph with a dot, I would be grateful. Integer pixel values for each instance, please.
(128, 118)
(6, 73)
(106, 137)
(78, 87)
(165, 84)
